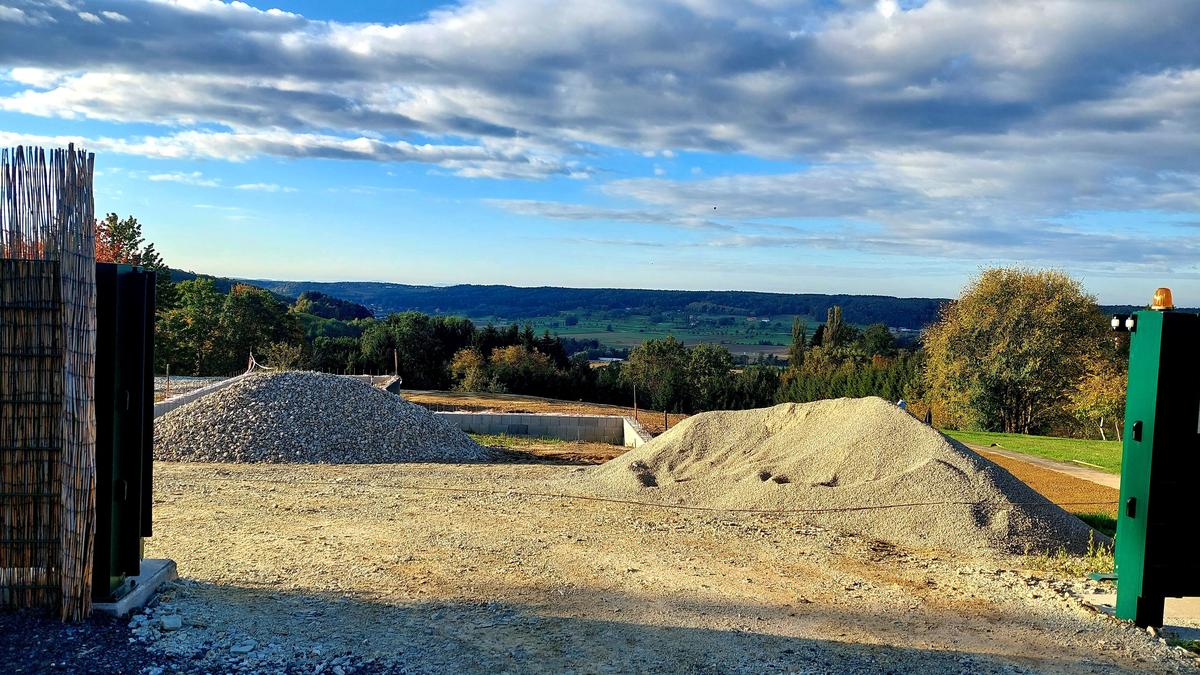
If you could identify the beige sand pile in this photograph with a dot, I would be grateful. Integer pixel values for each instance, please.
(843, 455)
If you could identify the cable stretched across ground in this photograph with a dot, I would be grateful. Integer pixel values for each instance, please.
(632, 502)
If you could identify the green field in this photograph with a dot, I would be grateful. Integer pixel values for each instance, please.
(740, 334)
(1105, 455)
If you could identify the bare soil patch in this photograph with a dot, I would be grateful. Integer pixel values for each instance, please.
(1073, 494)
(439, 568)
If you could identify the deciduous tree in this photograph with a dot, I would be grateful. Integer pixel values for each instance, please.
(1007, 354)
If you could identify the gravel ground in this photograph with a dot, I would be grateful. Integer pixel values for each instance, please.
(35, 642)
(321, 568)
(307, 417)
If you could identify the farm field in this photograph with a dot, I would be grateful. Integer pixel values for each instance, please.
(740, 334)
(1104, 455)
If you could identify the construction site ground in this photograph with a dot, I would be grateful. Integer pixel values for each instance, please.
(479, 568)
(651, 420)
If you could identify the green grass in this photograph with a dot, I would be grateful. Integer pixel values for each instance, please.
(1192, 646)
(506, 441)
(630, 331)
(1063, 565)
(1106, 455)
(1101, 522)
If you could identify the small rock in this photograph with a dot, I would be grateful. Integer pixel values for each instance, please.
(244, 648)
(170, 622)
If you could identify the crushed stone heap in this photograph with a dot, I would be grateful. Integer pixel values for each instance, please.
(303, 417)
(842, 455)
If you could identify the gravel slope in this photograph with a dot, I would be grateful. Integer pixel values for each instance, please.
(853, 459)
(304, 417)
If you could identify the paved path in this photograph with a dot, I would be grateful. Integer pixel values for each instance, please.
(1096, 476)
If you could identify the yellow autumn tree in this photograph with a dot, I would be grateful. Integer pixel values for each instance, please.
(1009, 353)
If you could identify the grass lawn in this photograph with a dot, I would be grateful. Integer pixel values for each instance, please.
(1103, 454)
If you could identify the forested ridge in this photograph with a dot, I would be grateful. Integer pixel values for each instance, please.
(514, 302)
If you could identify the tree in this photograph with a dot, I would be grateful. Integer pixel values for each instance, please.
(834, 334)
(283, 355)
(799, 337)
(708, 376)
(188, 337)
(516, 368)
(335, 354)
(1099, 396)
(877, 339)
(251, 320)
(120, 241)
(659, 368)
(1006, 355)
(469, 369)
(818, 338)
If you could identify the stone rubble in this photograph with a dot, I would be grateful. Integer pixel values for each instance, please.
(305, 417)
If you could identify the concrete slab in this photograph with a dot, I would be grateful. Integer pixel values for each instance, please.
(1181, 617)
(154, 573)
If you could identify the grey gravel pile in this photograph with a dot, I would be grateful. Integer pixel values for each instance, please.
(860, 465)
(302, 417)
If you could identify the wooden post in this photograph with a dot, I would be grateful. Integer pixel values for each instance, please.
(635, 417)
(396, 362)
(168, 380)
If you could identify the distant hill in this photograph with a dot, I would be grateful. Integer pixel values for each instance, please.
(515, 303)
(329, 307)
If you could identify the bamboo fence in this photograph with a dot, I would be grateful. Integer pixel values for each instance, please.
(47, 373)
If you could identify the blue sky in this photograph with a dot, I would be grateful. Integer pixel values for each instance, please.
(860, 146)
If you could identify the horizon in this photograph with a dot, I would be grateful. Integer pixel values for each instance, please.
(858, 147)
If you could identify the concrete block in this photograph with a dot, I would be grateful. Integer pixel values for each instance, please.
(154, 573)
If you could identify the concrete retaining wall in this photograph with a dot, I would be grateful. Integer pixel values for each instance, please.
(167, 405)
(590, 428)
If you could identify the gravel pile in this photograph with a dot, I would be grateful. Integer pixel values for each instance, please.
(304, 417)
(837, 457)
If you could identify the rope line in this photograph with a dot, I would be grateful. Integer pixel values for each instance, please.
(633, 502)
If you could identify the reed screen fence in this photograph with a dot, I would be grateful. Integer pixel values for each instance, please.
(47, 379)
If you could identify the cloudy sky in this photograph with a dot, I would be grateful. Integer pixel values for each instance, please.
(856, 146)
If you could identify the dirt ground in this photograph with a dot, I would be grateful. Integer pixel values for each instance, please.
(651, 420)
(1074, 494)
(459, 568)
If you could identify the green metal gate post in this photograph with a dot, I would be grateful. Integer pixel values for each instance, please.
(1160, 463)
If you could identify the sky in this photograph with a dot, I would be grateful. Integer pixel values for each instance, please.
(775, 145)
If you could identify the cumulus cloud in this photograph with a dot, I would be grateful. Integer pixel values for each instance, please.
(962, 125)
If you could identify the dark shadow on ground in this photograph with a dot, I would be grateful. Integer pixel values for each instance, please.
(39, 642)
(456, 637)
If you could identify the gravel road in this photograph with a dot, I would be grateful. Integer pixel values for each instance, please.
(333, 568)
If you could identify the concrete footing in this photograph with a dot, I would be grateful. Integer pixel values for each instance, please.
(154, 573)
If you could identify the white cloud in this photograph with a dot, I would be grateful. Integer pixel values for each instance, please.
(115, 16)
(193, 178)
(90, 18)
(265, 187)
